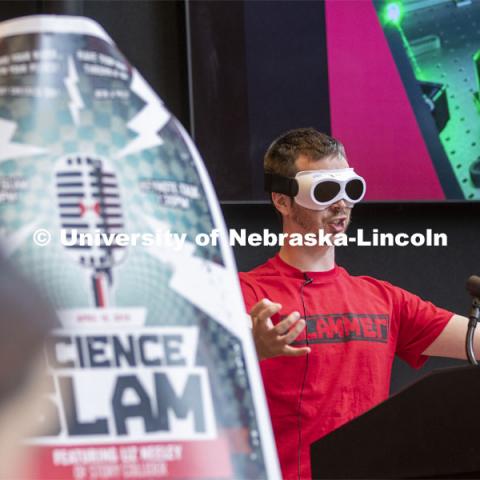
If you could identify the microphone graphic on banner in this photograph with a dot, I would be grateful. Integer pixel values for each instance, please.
(89, 203)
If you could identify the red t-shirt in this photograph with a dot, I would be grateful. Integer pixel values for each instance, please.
(355, 327)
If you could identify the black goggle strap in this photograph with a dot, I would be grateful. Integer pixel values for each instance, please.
(280, 184)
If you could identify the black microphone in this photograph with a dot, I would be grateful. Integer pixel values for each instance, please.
(308, 280)
(473, 286)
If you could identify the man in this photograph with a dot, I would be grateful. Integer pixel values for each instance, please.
(317, 379)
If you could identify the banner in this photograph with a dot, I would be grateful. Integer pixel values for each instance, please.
(151, 371)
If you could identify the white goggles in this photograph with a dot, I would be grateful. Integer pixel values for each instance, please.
(318, 189)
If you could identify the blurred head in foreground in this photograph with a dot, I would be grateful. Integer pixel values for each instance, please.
(25, 321)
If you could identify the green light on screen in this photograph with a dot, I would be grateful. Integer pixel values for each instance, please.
(393, 12)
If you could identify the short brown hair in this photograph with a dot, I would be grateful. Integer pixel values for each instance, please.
(282, 153)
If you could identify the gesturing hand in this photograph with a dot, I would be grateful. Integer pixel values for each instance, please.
(271, 341)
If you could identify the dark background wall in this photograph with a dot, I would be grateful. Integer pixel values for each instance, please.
(152, 35)
(259, 69)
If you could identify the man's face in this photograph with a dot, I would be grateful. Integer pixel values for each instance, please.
(335, 218)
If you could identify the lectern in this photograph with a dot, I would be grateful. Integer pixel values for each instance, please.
(429, 430)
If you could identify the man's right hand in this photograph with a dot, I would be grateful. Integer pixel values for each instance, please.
(270, 340)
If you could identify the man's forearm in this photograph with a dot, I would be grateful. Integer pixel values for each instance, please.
(451, 342)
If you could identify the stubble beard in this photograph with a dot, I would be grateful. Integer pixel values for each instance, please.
(311, 221)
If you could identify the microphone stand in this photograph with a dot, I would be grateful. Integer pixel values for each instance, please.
(101, 281)
(472, 324)
(473, 285)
